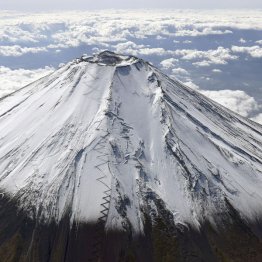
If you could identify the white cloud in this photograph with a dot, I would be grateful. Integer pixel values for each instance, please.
(242, 40)
(192, 85)
(70, 29)
(236, 100)
(216, 70)
(128, 48)
(159, 37)
(16, 34)
(259, 42)
(16, 50)
(169, 63)
(217, 56)
(205, 31)
(254, 51)
(12, 80)
(153, 51)
(180, 72)
(202, 63)
(258, 118)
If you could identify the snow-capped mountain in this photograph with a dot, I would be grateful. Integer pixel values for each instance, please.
(108, 143)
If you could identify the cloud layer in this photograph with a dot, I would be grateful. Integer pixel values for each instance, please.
(12, 80)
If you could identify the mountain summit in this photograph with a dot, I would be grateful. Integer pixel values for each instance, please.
(108, 159)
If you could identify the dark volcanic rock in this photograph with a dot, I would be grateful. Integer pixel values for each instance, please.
(23, 239)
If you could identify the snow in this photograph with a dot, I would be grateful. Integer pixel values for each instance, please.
(111, 129)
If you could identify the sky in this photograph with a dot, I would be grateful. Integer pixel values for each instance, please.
(216, 52)
(27, 5)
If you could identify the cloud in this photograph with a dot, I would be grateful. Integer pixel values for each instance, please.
(217, 70)
(16, 50)
(236, 100)
(192, 85)
(203, 32)
(202, 63)
(254, 51)
(169, 63)
(16, 34)
(113, 29)
(12, 80)
(242, 40)
(128, 48)
(218, 56)
(180, 71)
(153, 51)
(159, 37)
(257, 118)
(71, 29)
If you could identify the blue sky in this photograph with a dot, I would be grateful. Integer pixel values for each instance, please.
(219, 53)
(101, 4)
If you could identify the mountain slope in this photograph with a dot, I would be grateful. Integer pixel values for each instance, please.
(110, 152)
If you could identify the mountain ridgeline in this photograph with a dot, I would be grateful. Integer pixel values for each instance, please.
(109, 159)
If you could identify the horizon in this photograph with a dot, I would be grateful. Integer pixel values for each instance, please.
(132, 9)
(60, 5)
